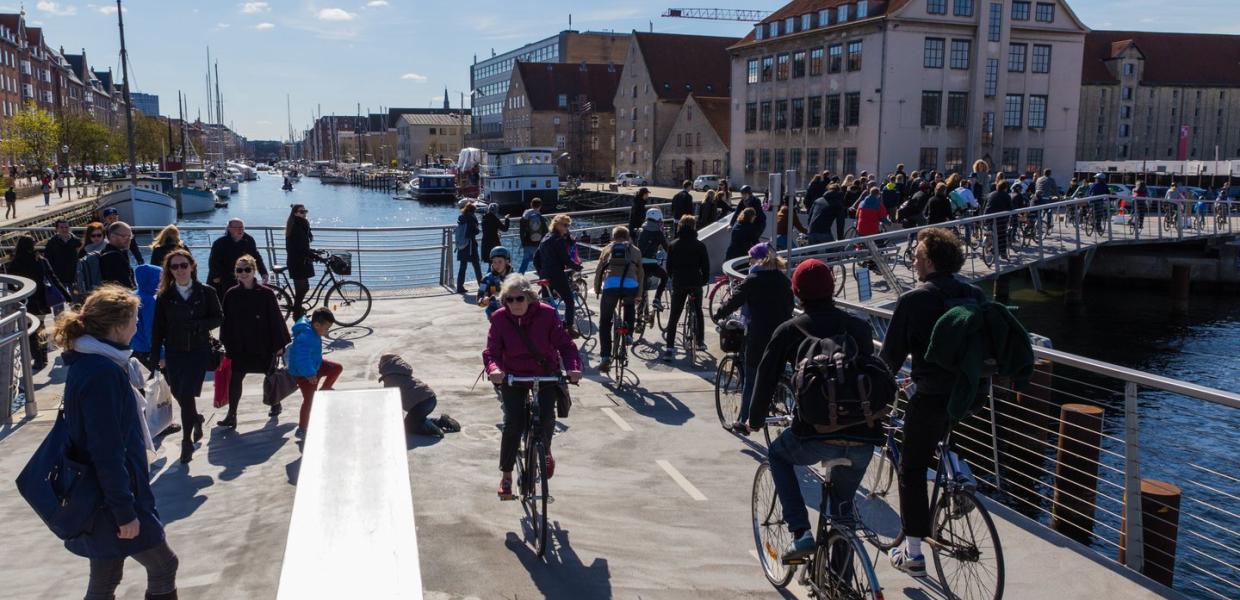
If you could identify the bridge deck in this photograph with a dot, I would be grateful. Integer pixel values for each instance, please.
(651, 496)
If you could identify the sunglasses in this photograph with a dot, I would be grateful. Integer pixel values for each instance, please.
(178, 266)
(514, 299)
(244, 270)
(96, 235)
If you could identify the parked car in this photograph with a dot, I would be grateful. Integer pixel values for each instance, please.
(706, 182)
(1116, 189)
(630, 178)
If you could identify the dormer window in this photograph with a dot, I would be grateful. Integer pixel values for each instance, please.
(842, 13)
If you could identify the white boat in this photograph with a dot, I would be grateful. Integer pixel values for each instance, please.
(333, 178)
(194, 200)
(223, 191)
(514, 177)
(144, 205)
(233, 185)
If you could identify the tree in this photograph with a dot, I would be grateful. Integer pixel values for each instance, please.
(32, 136)
(85, 137)
(150, 138)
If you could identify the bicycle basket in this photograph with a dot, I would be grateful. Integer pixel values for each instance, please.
(341, 264)
(732, 336)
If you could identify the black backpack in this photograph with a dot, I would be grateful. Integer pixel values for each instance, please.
(837, 387)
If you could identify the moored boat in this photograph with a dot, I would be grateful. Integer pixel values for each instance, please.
(142, 205)
(195, 200)
(513, 177)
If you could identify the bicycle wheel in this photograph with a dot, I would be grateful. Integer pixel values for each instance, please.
(618, 358)
(967, 553)
(349, 301)
(877, 503)
(534, 497)
(770, 533)
(728, 379)
(850, 233)
(686, 336)
(719, 295)
(841, 277)
(781, 406)
(284, 301)
(659, 322)
(583, 316)
(842, 569)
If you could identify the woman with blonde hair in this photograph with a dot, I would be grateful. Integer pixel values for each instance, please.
(169, 239)
(103, 411)
(553, 261)
(253, 332)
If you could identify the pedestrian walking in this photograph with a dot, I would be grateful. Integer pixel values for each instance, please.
(59, 181)
(147, 277)
(49, 291)
(110, 216)
(492, 226)
(306, 363)
(466, 238)
(169, 239)
(532, 229)
(253, 333)
(113, 263)
(298, 255)
(61, 251)
(225, 251)
(46, 188)
(682, 202)
(10, 203)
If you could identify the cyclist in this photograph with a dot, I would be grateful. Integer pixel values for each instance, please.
(939, 207)
(553, 260)
(617, 279)
(688, 263)
(650, 240)
(766, 294)
(638, 209)
(746, 231)
(1000, 201)
(501, 268)
(526, 339)
(871, 214)
(802, 444)
(937, 259)
(1045, 188)
(1099, 191)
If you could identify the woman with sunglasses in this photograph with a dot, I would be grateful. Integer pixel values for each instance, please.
(300, 257)
(185, 313)
(93, 239)
(526, 339)
(253, 332)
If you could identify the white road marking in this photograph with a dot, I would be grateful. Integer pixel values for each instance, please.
(754, 554)
(616, 419)
(681, 481)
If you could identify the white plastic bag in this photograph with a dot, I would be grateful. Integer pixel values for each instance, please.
(158, 397)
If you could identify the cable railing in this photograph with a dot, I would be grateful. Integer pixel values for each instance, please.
(16, 380)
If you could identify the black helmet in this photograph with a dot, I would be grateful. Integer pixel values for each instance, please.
(500, 251)
(746, 189)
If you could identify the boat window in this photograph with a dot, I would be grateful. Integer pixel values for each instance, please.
(547, 183)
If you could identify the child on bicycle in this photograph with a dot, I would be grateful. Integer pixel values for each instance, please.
(650, 241)
(501, 267)
(306, 363)
(618, 279)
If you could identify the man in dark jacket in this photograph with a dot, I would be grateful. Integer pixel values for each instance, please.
(999, 201)
(801, 444)
(492, 226)
(110, 216)
(688, 264)
(749, 200)
(938, 258)
(62, 252)
(823, 214)
(113, 260)
(682, 202)
(939, 206)
(637, 210)
(816, 188)
(224, 254)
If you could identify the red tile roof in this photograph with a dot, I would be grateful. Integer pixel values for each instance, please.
(684, 64)
(718, 113)
(796, 8)
(1188, 59)
(544, 82)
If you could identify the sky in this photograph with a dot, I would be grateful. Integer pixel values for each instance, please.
(335, 54)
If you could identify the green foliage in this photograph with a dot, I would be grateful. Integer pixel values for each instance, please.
(85, 137)
(32, 136)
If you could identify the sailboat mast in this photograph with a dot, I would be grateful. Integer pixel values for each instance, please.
(181, 112)
(133, 156)
(219, 106)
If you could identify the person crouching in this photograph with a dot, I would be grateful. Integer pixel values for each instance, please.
(416, 398)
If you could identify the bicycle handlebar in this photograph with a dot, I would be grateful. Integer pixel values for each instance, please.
(511, 379)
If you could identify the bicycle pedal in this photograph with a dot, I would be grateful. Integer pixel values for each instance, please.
(507, 497)
(794, 562)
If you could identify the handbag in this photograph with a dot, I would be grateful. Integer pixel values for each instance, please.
(278, 384)
(222, 378)
(51, 293)
(63, 492)
(563, 400)
(158, 395)
(216, 356)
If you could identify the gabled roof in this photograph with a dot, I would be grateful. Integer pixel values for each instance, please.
(450, 120)
(11, 20)
(718, 113)
(34, 35)
(105, 78)
(545, 82)
(1214, 59)
(796, 8)
(683, 64)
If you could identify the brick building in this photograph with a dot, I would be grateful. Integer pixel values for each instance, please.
(567, 107)
(697, 143)
(10, 77)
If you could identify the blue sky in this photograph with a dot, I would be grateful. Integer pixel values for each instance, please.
(338, 53)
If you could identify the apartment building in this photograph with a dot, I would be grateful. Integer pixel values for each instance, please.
(852, 85)
(568, 107)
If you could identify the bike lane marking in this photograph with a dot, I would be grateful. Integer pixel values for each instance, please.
(681, 481)
(616, 419)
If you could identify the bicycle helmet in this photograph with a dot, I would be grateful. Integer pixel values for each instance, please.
(1099, 176)
(654, 214)
(500, 251)
(746, 189)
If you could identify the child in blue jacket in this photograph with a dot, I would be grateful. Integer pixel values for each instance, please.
(306, 363)
(147, 277)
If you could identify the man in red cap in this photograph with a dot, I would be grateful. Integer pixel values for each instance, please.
(801, 444)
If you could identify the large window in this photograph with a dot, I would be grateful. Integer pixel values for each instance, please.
(781, 66)
(798, 64)
(850, 160)
(852, 109)
(988, 127)
(994, 30)
(1016, 57)
(794, 159)
(798, 113)
(1045, 12)
(960, 54)
(768, 68)
(1011, 160)
(807, 22)
(1013, 110)
(933, 56)
(749, 161)
(957, 109)
(815, 61)
(962, 8)
(1041, 58)
(751, 71)
(936, 7)
(764, 160)
(1020, 10)
(1033, 160)
(953, 161)
(992, 77)
(751, 116)
(928, 160)
(835, 58)
(833, 111)
(811, 161)
(1037, 112)
(830, 157)
(781, 114)
(815, 111)
(931, 108)
(779, 160)
(854, 55)
(764, 116)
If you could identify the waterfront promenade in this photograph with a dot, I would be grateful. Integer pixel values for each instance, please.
(651, 496)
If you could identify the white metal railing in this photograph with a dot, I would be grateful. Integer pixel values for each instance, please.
(16, 381)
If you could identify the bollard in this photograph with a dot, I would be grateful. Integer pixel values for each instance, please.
(1076, 470)
(1181, 283)
(1160, 522)
(1076, 280)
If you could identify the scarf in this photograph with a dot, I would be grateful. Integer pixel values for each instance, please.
(89, 345)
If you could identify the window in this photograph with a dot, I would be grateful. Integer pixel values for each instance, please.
(815, 112)
(749, 161)
(936, 7)
(751, 116)
(781, 66)
(1037, 112)
(863, 8)
(764, 120)
(962, 8)
(563, 101)
(1045, 12)
(794, 159)
(1011, 160)
(781, 114)
(764, 160)
(833, 111)
(790, 25)
(811, 161)
(772, 29)
(988, 127)
(824, 17)
(992, 77)
(751, 73)
(798, 113)
(850, 160)
(759, 31)
(1013, 109)
(995, 29)
(1033, 160)
(1128, 94)
(560, 141)
(779, 161)
(806, 24)
(768, 68)
(1016, 57)
(960, 54)
(1041, 58)
(830, 156)
(815, 61)
(852, 109)
(1020, 10)
(928, 160)
(931, 108)
(957, 109)
(841, 13)
(933, 57)
(798, 64)
(835, 61)
(1125, 130)
(1130, 70)
(953, 162)
(854, 55)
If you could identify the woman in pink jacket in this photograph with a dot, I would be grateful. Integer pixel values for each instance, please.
(508, 353)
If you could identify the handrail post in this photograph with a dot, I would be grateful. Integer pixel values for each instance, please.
(1134, 548)
(994, 437)
(1110, 219)
(32, 407)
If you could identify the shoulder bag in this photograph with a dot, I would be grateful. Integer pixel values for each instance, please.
(563, 401)
(63, 492)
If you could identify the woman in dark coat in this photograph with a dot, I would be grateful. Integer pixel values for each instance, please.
(169, 239)
(185, 313)
(299, 255)
(745, 234)
(467, 247)
(26, 263)
(108, 429)
(253, 332)
(492, 226)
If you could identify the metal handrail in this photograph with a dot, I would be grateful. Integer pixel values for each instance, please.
(14, 328)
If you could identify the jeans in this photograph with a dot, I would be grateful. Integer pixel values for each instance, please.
(679, 296)
(415, 419)
(925, 422)
(788, 450)
(747, 385)
(607, 313)
(527, 255)
(329, 371)
(515, 416)
(161, 573)
(468, 256)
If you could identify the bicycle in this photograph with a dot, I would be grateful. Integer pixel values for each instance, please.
(956, 536)
(1222, 213)
(619, 349)
(729, 380)
(690, 326)
(349, 300)
(1171, 216)
(583, 315)
(532, 464)
(839, 566)
(720, 292)
(779, 417)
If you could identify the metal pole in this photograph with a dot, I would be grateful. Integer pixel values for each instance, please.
(791, 176)
(994, 437)
(1134, 555)
(32, 408)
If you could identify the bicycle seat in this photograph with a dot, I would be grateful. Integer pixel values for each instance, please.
(279, 269)
(830, 465)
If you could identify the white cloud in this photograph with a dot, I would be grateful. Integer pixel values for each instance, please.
(250, 8)
(377, 3)
(265, 25)
(335, 14)
(414, 77)
(56, 9)
(107, 9)
(222, 25)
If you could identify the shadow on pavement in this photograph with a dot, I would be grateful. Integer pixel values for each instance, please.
(663, 407)
(177, 492)
(561, 574)
(235, 451)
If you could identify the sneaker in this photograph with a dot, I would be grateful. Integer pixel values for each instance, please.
(275, 410)
(741, 428)
(669, 354)
(912, 565)
(604, 364)
(505, 490)
(799, 549)
(300, 433)
(628, 340)
(550, 465)
(448, 424)
(431, 428)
